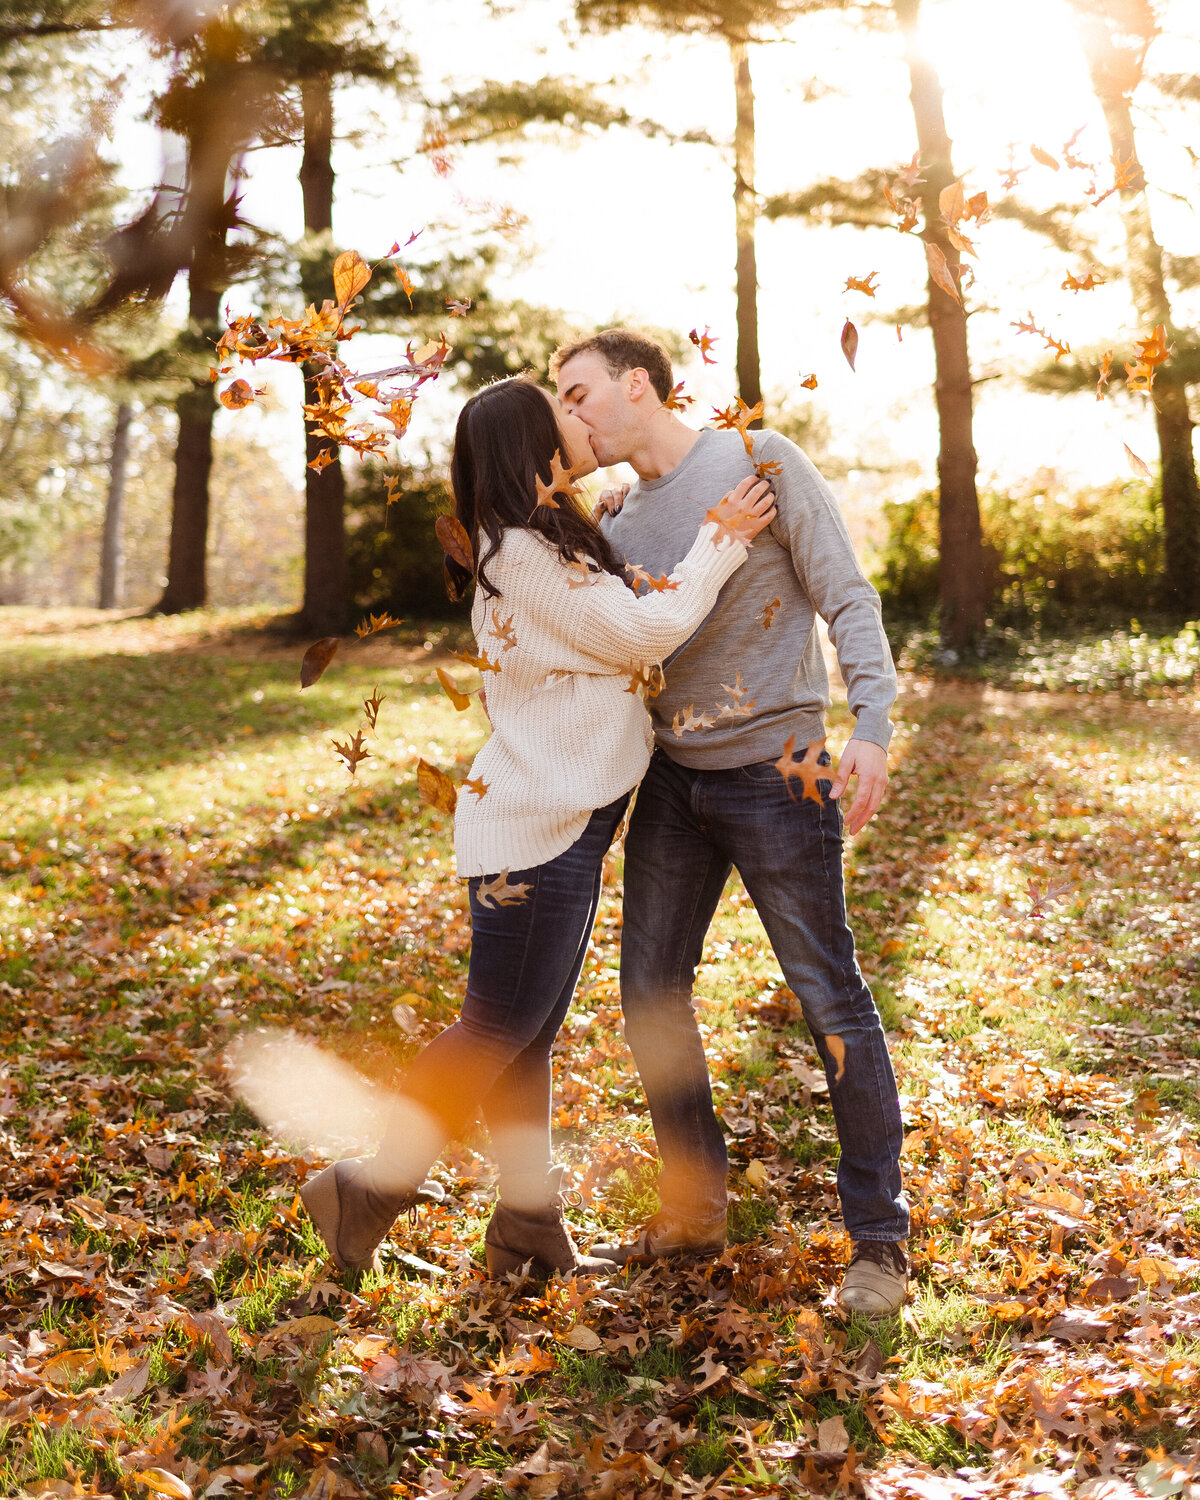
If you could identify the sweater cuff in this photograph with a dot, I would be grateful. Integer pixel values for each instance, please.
(710, 560)
(874, 727)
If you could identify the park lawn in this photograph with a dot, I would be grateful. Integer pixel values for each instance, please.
(183, 857)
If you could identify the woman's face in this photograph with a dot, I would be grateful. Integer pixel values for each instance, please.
(574, 439)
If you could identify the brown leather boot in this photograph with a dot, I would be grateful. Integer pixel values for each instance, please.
(352, 1213)
(538, 1237)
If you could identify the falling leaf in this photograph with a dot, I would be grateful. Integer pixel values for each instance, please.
(352, 751)
(322, 460)
(809, 383)
(458, 309)
(405, 281)
(768, 468)
(768, 615)
(1082, 283)
(1043, 157)
(738, 418)
(503, 631)
(350, 275)
(316, 659)
(849, 342)
(393, 491)
(480, 663)
(460, 699)
(952, 202)
(676, 400)
(237, 395)
(1139, 465)
(561, 483)
(455, 543)
(862, 283)
(371, 707)
(1029, 325)
(687, 719)
(500, 891)
(373, 624)
(939, 270)
(1106, 360)
(837, 1050)
(435, 787)
(704, 342)
(807, 769)
(476, 785)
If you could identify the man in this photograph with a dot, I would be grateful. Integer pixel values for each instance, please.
(747, 684)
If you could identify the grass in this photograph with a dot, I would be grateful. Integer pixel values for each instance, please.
(183, 857)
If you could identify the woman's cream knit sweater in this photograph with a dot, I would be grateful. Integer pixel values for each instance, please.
(569, 731)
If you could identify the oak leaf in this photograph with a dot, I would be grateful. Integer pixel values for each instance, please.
(352, 751)
(737, 418)
(476, 785)
(676, 400)
(687, 719)
(654, 585)
(322, 460)
(561, 483)
(480, 663)
(458, 309)
(704, 342)
(768, 614)
(375, 623)
(371, 707)
(862, 283)
(1082, 283)
(768, 468)
(435, 788)
(500, 891)
(809, 383)
(805, 769)
(316, 659)
(503, 631)
(1105, 375)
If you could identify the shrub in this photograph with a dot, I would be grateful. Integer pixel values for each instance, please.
(393, 553)
(1056, 552)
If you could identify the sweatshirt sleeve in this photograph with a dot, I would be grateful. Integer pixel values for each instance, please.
(605, 620)
(809, 524)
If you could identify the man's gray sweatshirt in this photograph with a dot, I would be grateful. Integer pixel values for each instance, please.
(802, 565)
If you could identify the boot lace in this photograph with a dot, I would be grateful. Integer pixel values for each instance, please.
(886, 1253)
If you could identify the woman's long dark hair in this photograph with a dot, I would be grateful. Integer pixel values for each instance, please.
(504, 443)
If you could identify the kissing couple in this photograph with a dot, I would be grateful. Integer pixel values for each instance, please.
(574, 627)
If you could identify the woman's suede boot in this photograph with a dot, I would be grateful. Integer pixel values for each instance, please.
(353, 1211)
(537, 1235)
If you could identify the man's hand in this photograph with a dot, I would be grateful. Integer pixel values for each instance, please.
(869, 763)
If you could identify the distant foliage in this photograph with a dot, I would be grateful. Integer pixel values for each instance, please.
(396, 564)
(1058, 554)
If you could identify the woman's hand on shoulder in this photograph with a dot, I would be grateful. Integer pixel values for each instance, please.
(747, 509)
(610, 502)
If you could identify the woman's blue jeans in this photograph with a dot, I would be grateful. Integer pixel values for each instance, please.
(526, 960)
(688, 830)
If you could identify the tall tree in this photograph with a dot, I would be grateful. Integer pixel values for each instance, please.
(111, 540)
(1115, 35)
(964, 585)
(738, 23)
(966, 577)
(315, 45)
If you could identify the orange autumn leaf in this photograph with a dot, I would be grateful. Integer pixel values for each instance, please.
(862, 283)
(476, 785)
(352, 751)
(1043, 157)
(237, 395)
(455, 694)
(500, 891)
(849, 342)
(939, 270)
(561, 483)
(768, 615)
(350, 274)
(676, 400)
(405, 281)
(316, 659)
(371, 707)
(737, 418)
(837, 1048)
(806, 769)
(705, 343)
(652, 584)
(480, 663)
(457, 308)
(767, 468)
(1106, 360)
(322, 460)
(375, 623)
(502, 630)
(435, 788)
(455, 542)
(809, 383)
(1082, 283)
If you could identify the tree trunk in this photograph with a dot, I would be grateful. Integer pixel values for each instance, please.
(326, 580)
(964, 578)
(1115, 72)
(745, 210)
(111, 550)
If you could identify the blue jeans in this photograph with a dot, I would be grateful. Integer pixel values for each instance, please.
(525, 963)
(688, 830)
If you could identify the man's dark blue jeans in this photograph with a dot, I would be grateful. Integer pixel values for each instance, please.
(688, 830)
(525, 963)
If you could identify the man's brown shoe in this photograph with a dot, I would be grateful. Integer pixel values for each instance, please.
(353, 1215)
(876, 1280)
(667, 1236)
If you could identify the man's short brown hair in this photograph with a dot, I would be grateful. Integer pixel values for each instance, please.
(622, 349)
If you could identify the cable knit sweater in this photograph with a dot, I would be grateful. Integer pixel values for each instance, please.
(568, 734)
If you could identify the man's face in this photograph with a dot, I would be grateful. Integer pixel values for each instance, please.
(602, 403)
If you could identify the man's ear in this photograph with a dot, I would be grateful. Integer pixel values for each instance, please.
(638, 383)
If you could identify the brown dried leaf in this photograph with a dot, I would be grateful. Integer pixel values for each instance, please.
(456, 696)
(435, 788)
(316, 659)
(939, 270)
(350, 274)
(849, 342)
(455, 542)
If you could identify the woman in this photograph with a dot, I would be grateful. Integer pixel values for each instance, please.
(566, 641)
